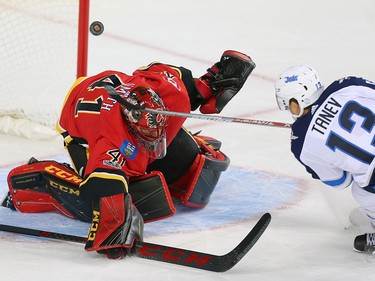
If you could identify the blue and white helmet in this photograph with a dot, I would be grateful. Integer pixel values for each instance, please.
(300, 82)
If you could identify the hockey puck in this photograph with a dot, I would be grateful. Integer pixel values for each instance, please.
(96, 28)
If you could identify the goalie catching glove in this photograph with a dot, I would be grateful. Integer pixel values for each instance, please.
(223, 81)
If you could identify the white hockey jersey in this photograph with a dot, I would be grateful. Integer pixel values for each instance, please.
(336, 140)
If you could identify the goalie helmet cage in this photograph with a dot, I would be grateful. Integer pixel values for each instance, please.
(44, 47)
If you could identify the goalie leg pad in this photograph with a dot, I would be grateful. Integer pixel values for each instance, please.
(151, 196)
(192, 167)
(47, 186)
(195, 187)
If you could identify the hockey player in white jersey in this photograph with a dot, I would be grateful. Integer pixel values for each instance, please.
(333, 135)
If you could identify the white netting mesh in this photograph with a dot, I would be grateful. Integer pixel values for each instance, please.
(38, 61)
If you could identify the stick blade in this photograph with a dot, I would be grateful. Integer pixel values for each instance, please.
(203, 260)
(233, 257)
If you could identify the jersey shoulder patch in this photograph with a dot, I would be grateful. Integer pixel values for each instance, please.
(128, 149)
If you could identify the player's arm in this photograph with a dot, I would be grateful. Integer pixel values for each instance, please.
(340, 182)
(317, 163)
(78, 152)
(77, 147)
(212, 91)
(334, 177)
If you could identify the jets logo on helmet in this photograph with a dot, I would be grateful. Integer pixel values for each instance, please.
(291, 78)
(301, 83)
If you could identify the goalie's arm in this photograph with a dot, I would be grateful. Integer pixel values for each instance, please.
(223, 80)
(212, 91)
(78, 152)
(78, 155)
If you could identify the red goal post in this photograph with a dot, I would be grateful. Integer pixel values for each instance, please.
(44, 47)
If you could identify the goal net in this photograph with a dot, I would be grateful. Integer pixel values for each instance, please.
(38, 62)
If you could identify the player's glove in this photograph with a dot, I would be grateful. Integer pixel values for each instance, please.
(116, 225)
(223, 80)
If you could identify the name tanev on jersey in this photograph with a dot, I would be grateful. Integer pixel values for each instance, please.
(325, 117)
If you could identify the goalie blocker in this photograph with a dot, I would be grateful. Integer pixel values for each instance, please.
(189, 172)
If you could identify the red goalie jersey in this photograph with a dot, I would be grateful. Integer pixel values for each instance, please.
(92, 118)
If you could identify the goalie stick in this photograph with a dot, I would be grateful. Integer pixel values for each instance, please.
(169, 254)
(113, 93)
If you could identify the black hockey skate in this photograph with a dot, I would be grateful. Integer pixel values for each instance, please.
(365, 243)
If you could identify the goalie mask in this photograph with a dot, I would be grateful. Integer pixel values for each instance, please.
(301, 83)
(148, 128)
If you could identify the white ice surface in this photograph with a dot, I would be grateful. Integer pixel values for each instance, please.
(309, 237)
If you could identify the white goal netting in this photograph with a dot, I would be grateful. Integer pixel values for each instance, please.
(38, 63)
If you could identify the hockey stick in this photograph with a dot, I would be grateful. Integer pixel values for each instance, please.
(169, 254)
(113, 93)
